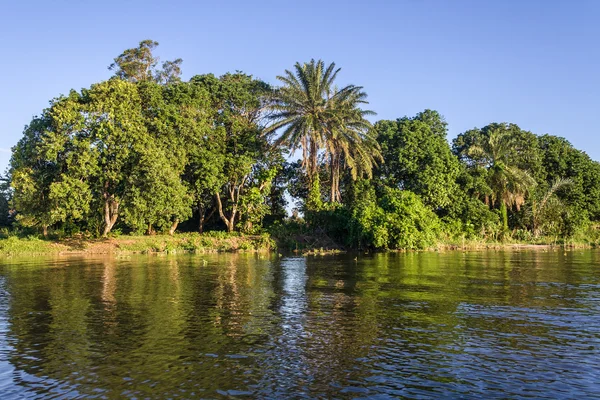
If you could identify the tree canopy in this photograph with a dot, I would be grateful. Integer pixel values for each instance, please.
(146, 151)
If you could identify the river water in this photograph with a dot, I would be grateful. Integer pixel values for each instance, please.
(419, 325)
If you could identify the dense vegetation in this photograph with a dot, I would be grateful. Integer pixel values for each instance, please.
(147, 152)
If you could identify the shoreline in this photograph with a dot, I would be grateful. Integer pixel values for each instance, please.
(194, 243)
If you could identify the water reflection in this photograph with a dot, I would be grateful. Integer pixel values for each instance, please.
(504, 324)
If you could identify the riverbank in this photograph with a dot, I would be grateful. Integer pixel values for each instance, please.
(220, 242)
(214, 242)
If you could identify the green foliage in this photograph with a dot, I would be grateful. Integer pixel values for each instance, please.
(145, 151)
(467, 217)
(139, 65)
(313, 200)
(394, 219)
(417, 157)
(247, 164)
(31, 175)
(562, 160)
(504, 151)
(28, 245)
(315, 115)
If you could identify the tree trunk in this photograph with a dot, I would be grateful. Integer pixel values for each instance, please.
(504, 213)
(201, 223)
(45, 230)
(174, 226)
(337, 194)
(111, 212)
(204, 218)
(229, 222)
(313, 159)
(201, 219)
(332, 172)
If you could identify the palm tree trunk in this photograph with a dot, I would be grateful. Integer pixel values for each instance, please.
(504, 212)
(338, 195)
(332, 196)
(313, 160)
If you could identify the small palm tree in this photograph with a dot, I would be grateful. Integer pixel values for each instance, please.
(316, 116)
(544, 204)
(509, 183)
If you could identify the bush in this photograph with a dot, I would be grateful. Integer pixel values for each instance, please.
(397, 220)
(472, 218)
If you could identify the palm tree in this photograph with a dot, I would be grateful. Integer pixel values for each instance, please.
(316, 116)
(350, 141)
(543, 204)
(508, 182)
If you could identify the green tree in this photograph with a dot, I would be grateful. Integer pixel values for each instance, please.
(178, 118)
(582, 196)
(32, 174)
(315, 116)
(139, 64)
(85, 148)
(547, 209)
(417, 157)
(5, 199)
(391, 219)
(245, 165)
(508, 182)
(350, 140)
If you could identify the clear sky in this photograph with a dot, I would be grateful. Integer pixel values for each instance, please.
(535, 63)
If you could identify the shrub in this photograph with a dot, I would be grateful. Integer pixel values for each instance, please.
(397, 220)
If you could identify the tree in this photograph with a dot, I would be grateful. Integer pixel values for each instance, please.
(391, 218)
(350, 140)
(561, 160)
(156, 196)
(238, 102)
(178, 118)
(417, 157)
(509, 183)
(31, 176)
(5, 198)
(139, 65)
(524, 151)
(547, 208)
(315, 115)
(90, 141)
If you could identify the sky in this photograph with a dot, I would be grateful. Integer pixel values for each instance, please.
(535, 63)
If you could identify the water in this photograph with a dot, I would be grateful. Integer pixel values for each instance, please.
(453, 325)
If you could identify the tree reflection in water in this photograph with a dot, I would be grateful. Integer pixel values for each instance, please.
(416, 324)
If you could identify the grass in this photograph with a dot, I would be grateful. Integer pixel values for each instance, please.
(194, 242)
(179, 243)
(215, 242)
(30, 245)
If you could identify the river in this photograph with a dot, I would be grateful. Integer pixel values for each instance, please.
(514, 324)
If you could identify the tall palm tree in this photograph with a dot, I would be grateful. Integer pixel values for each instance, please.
(316, 116)
(350, 141)
(509, 183)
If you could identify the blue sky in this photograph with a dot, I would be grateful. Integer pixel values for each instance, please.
(534, 63)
